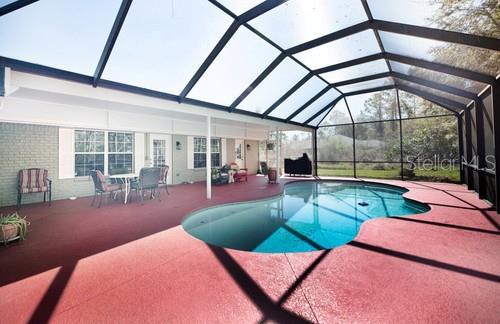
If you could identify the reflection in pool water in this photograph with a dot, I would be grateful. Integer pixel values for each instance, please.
(309, 216)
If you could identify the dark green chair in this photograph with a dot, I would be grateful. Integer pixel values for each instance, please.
(149, 180)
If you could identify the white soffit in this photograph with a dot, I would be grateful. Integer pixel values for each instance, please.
(35, 87)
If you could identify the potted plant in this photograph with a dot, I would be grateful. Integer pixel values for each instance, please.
(12, 227)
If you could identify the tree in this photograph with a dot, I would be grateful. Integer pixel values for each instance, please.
(336, 117)
(381, 106)
(468, 16)
(478, 17)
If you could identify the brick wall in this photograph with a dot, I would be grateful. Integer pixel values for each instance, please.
(33, 146)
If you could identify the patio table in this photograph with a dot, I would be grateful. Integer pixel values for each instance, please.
(126, 177)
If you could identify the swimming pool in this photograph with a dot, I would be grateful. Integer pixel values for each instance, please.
(309, 216)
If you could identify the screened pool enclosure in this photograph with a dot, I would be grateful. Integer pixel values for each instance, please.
(385, 86)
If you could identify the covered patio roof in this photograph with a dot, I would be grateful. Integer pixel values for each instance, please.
(287, 61)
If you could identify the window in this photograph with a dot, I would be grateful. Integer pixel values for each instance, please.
(89, 152)
(200, 151)
(216, 152)
(103, 151)
(159, 152)
(120, 152)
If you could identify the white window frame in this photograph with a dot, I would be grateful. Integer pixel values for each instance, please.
(106, 149)
(220, 151)
(116, 152)
(212, 151)
(94, 152)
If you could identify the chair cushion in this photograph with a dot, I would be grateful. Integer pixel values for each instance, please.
(30, 190)
(33, 180)
(105, 186)
(100, 176)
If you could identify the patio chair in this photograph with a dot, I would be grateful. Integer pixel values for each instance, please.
(31, 181)
(102, 187)
(264, 169)
(149, 180)
(164, 177)
(220, 176)
(240, 173)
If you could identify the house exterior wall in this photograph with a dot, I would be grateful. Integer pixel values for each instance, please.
(180, 170)
(252, 156)
(37, 112)
(231, 154)
(34, 146)
(29, 146)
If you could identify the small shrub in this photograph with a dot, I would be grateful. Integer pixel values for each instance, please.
(408, 173)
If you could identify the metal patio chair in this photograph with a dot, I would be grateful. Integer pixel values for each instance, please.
(102, 187)
(149, 180)
(164, 176)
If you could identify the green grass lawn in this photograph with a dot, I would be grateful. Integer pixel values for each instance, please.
(345, 170)
(452, 175)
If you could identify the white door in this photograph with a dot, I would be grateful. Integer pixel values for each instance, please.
(160, 152)
(239, 152)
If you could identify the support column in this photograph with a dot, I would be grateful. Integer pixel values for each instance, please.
(267, 151)
(400, 135)
(2, 85)
(354, 150)
(2, 81)
(278, 154)
(460, 146)
(469, 179)
(315, 151)
(209, 157)
(481, 159)
(495, 96)
(353, 139)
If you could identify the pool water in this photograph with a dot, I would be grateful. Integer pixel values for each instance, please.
(309, 216)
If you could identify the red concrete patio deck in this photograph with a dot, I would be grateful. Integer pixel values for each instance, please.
(133, 263)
